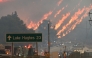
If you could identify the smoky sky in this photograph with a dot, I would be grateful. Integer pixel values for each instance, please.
(33, 10)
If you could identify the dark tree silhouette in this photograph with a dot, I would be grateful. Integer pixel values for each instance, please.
(12, 24)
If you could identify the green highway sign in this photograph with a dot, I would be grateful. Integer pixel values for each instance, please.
(34, 37)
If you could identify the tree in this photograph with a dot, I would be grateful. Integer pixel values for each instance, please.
(12, 24)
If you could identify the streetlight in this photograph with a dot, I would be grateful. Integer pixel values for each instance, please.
(49, 43)
(48, 38)
(90, 21)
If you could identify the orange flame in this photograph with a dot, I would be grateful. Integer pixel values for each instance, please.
(77, 5)
(60, 2)
(61, 21)
(36, 25)
(63, 34)
(46, 16)
(1, 0)
(32, 25)
(58, 12)
(73, 18)
(4, 0)
(78, 21)
(59, 37)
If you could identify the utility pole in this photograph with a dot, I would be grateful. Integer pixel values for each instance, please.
(65, 48)
(49, 38)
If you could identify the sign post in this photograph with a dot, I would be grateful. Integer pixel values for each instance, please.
(12, 49)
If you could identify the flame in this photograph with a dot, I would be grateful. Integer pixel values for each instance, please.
(1, 0)
(29, 46)
(61, 21)
(46, 16)
(32, 25)
(73, 18)
(58, 12)
(7, 53)
(78, 21)
(59, 37)
(59, 2)
(35, 25)
(4, 0)
(77, 5)
(63, 34)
